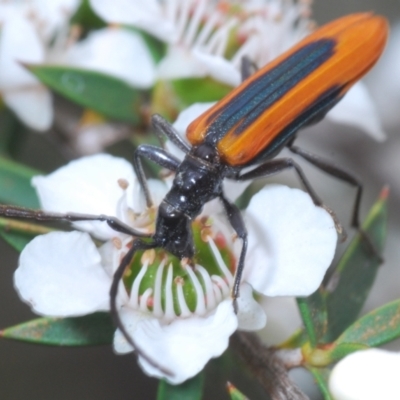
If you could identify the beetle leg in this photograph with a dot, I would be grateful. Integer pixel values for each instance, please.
(161, 125)
(236, 220)
(272, 167)
(39, 215)
(247, 68)
(345, 176)
(157, 155)
(137, 245)
(336, 172)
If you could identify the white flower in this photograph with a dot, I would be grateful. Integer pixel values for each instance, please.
(291, 244)
(366, 375)
(27, 28)
(200, 33)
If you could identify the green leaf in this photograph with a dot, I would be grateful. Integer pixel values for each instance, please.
(105, 94)
(15, 184)
(15, 188)
(171, 97)
(16, 240)
(314, 315)
(298, 339)
(191, 389)
(235, 393)
(321, 376)
(12, 133)
(89, 330)
(18, 233)
(198, 90)
(230, 367)
(375, 328)
(350, 284)
(86, 17)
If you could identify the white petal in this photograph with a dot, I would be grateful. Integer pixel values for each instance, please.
(358, 109)
(291, 242)
(116, 52)
(251, 316)
(185, 345)
(33, 105)
(189, 114)
(19, 42)
(60, 274)
(144, 14)
(179, 63)
(366, 375)
(52, 14)
(88, 185)
(384, 81)
(218, 67)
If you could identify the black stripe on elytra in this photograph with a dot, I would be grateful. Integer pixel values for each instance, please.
(260, 94)
(312, 114)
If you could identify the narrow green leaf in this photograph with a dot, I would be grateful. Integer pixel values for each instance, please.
(105, 94)
(298, 339)
(15, 188)
(375, 328)
(12, 133)
(15, 184)
(86, 17)
(19, 233)
(321, 376)
(349, 286)
(171, 97)
(198, 90)
(16, 240)
(191, 389)
(314, 315)
(235, 393)
(89, 330)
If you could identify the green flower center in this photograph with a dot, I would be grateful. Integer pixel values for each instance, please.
(160, 283)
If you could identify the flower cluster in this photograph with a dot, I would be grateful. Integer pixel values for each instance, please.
(203, 39)
(27, 31)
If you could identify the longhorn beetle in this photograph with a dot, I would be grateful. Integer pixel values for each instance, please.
(247, 128)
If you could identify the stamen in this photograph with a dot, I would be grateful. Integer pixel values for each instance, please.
(208, 284)
(169, 299)
(222, 285)
(122, 207)
(194, 22)
(145, 299)
(117, 243)
(134, 300)
(217, 292)
(221, 264)
(185, 312)
(123, 184)
(218, 41)
(200, 301)
(171, 11)
(157, 308)
(183, 18)
(208, 27)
